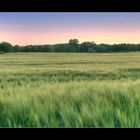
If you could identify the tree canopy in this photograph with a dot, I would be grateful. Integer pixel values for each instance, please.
(5, 47)
(72, 46)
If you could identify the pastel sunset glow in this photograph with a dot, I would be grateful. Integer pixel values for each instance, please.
(55, 27)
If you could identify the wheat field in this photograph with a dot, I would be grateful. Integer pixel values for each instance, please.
(70, 90)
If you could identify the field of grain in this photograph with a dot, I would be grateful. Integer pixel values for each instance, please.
(70, 90)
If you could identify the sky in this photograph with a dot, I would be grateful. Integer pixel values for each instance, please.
(25, 28)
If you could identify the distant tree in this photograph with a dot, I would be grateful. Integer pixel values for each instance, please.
(5, 47)
(72, 46)
(16, 48)
(73, 42)
(84, 47)
(91, 50)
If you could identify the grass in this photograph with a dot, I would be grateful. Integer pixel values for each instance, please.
(70, 90)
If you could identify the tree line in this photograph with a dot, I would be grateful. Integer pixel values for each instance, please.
(72, 46)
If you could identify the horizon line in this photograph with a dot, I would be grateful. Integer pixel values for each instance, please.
(68, 43)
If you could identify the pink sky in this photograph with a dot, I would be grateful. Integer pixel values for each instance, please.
(52, 28)
(63, 37)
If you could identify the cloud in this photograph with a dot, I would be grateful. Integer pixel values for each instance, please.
(121, 18)
(13, 26)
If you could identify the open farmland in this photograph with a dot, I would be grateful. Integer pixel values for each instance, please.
(70, 90)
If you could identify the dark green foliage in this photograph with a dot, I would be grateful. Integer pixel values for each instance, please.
(73, 42)
(91, 50)
(72, 46)
(5, 47)
(84, 47)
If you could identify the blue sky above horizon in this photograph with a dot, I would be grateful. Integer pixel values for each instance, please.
(54, 27)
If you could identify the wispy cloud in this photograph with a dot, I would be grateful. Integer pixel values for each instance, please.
(121, 18)
(13, 26)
